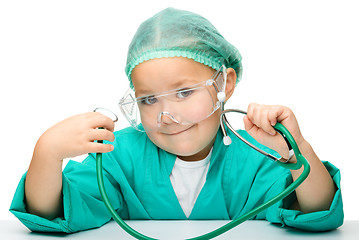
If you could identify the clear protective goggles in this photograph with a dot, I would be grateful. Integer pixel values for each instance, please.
(187, 105)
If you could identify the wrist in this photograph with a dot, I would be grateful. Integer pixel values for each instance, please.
(305, 149)
(285, 151)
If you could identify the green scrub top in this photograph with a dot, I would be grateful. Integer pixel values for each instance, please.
(137, 181)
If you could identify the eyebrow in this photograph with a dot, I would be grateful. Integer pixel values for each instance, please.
(179, 84)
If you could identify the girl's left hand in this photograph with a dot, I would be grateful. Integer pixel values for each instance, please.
(259, 123)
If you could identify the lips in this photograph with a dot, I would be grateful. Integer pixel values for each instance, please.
(178, 132)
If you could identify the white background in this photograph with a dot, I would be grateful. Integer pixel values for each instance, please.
(60, 58)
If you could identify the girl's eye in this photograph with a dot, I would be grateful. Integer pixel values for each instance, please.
(149, 100)
(184, 93)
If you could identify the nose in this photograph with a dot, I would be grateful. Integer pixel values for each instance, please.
(166, 118)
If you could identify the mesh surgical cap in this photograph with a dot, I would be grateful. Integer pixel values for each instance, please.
(178, 33)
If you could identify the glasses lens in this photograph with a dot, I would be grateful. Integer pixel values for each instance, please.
(129, 109)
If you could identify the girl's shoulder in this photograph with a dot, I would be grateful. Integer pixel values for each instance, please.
(130, 136)
(132, 144)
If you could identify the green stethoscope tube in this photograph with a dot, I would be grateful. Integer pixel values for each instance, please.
(109, 206)
(301, 162)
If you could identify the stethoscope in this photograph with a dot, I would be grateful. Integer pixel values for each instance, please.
(285, 163)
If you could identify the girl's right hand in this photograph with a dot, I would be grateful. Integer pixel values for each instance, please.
(76, 135)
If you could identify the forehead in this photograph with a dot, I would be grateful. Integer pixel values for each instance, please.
(163, 74)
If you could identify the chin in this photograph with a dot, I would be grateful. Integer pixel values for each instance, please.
(188, 149)
(185, 151)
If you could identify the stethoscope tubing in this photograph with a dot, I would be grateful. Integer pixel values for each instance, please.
(301, 162)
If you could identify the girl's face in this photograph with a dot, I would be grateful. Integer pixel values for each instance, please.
(189, 142)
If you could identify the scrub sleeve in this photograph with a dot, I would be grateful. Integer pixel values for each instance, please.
(83, 207)
(315, 221)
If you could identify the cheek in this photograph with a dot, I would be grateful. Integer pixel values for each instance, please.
(149, 123)
(197, 110)
(198, 113)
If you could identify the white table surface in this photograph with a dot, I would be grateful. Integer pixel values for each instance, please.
(13, 229)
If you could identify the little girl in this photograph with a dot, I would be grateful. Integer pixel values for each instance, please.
(173, 164)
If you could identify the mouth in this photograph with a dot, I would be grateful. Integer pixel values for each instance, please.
(179, 132)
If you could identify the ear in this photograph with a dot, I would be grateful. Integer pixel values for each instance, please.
(231, 82)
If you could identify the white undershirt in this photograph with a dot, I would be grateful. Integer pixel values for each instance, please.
(187, 179)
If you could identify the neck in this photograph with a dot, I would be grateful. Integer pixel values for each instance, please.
(200, 155)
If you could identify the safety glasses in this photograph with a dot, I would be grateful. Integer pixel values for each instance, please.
(174, 108)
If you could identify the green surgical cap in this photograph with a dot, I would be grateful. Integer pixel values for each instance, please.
(178, 33)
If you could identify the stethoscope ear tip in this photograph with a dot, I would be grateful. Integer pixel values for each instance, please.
(221, 96)
(227, 140)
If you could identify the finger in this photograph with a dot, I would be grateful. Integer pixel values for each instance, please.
(94, 147)
(280, 112)
(101, 134)
(272, 116)
(252, 129)
(265, 123)
(258, 116)
(248, 125)
(250, 111)
(102, 121)
(283, 113)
